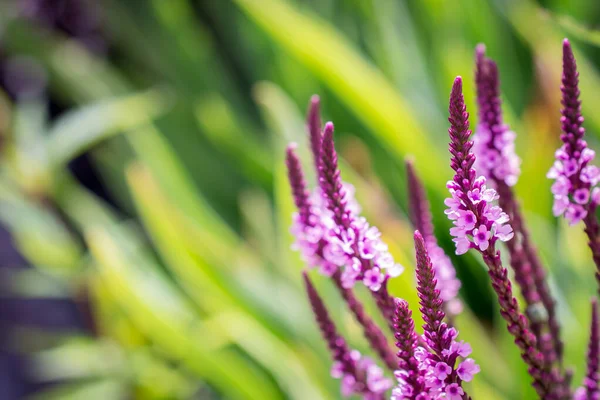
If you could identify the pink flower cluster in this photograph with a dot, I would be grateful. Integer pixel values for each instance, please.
(495, 154)
(575, 183)
(477, 223)
(313, 239)
(441, 376)
(358, 250)
(377, 383)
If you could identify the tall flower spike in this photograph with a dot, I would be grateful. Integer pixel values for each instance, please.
(345, 364)
(298, 184)
(313, 124)
(575, 190)
(310, 241)
(420, 214)
(406, 341)
(330, 181)
(430, 301)
(439, 338)
(479, 224)
(355, 245)
(358, 374)
(496, 160)
(494, 142)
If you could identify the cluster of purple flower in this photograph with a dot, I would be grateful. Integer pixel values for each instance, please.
(436, 374)
(333, 237)
(428, 371)
(330, 233)
(494, 142)
(477, 223)
(575, 179)
(313, 235)
(375, 379)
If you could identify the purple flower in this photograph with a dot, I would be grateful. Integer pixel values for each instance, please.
(574, 178)
(373, 279)
(481, 237)
(467, 369)
(493, 142)
(314, 229)
(409, 376)
(454, 392)
(442, 370)
(469, 193)
(477, 222)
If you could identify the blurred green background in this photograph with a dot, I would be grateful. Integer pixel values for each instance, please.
(142, 179)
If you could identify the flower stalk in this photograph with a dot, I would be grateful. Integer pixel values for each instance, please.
(479, 225)
(496, 160)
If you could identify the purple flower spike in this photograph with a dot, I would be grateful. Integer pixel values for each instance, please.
(496, 160)
(494, 142)
(354, 244)
(575, 188)
(575, 180)
(313, 125)
(479, 224)
(590, 390)
(431, 371)
(430, 301)
(358, 375)
(447, 282)
(406, 341)
(309, 231)
(336, 343)
(298, 184)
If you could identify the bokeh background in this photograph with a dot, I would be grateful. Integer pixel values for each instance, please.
(144, 201)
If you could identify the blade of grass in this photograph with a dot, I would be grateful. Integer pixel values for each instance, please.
(358, 84)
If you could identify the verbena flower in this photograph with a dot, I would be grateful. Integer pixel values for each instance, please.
(575, 179)
(478, 223)
(358, 374)
(431, 369)
(494, 142)
(493, 138)
(310, 226)
(352, 243)
(333, 237)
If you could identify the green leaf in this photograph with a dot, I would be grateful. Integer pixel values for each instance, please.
(156, 308)
(77, 131)
(358, 84)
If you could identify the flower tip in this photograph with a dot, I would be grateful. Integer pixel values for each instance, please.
(567, 50)
(400, 303)
(418, 237)
(291, 158)
(456, 89)
(480, 51)
(328, 128)
(315, 100)
(420, 249)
